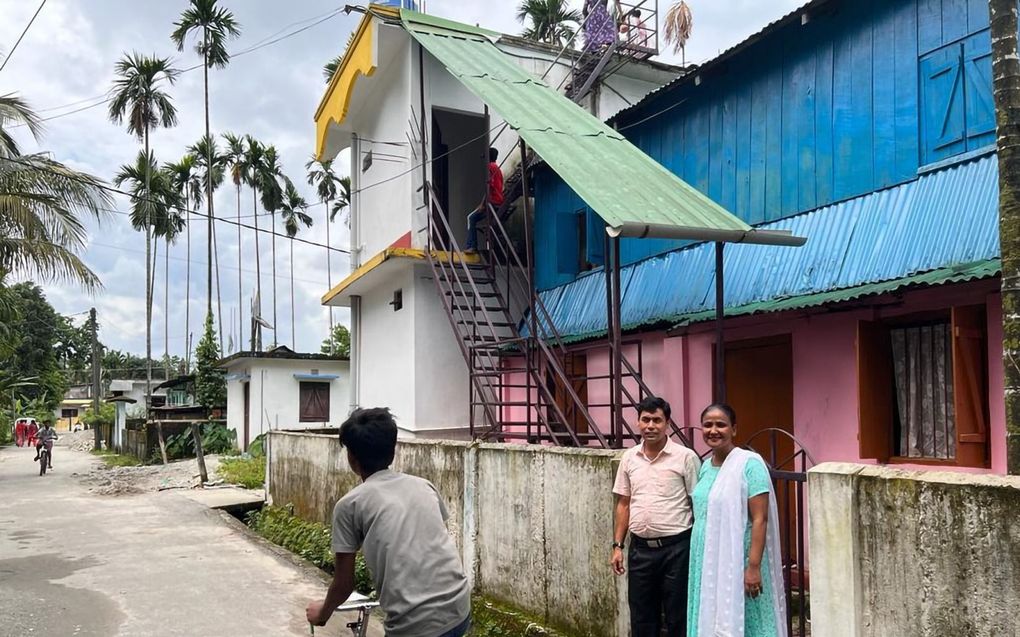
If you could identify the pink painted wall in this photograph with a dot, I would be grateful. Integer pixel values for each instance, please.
(679, 368)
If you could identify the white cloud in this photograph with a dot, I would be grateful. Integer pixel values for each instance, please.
(69, 55)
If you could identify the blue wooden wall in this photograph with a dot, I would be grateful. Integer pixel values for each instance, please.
(856, 100)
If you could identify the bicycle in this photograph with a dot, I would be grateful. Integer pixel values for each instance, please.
(44, 459)
(364, 608)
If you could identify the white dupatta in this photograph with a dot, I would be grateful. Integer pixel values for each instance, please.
(721, 610)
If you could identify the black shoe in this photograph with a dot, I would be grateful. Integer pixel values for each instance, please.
(35, 459)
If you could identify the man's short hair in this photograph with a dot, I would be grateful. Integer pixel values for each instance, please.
(371, 437)
(493, 154)
(652, 404)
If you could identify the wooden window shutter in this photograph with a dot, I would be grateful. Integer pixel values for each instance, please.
(875, 404)
(314, 402)
(970, 385)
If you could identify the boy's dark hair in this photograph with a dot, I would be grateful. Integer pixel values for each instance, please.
(493, 154)
(652, 404)
(371, 437)
(724, 408)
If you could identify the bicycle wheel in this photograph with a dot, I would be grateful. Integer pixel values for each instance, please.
(44, 458)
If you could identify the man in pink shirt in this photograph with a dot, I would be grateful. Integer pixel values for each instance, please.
(653, 504)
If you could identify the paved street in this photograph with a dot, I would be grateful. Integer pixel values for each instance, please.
(73, 563)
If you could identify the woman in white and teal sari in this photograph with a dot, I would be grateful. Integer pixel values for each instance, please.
(736, 581)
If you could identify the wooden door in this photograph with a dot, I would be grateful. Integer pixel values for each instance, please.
(576, 368)
(759, 387)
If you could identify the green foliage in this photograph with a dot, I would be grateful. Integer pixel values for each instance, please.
(107, 414)
(210, 385)
(490, 619)
(35, 345)
(257, 447)
(249, 473)
(339, 344)
(215, 439)
(114, 459)
(310, 540)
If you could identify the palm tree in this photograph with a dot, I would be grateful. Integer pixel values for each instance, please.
(254, 163)
(679, 24)
(326, 183)
(42, 203)
(216, 26)
(1006, 89)
(269, 179)
(169, 228)
(292, 209)
(549, 20)
(138, 97)
(208, 154)
(188, 185)
(234, 160)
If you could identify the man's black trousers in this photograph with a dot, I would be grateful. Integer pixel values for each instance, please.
(657, 585)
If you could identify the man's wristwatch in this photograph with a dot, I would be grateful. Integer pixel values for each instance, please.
(617, 545)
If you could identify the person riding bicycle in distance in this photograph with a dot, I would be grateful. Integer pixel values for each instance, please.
(45, 437)
(399, 522)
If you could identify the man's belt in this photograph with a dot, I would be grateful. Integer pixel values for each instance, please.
(660, 542)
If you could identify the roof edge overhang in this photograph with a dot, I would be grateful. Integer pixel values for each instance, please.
(661, 231)
(361, 59)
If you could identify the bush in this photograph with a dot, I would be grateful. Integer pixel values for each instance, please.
(250, 473)
(310, 540)
(215, 439)
(114, 459)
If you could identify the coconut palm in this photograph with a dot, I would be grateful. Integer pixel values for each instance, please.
(254, 163)
(234, 161)
(170, 226)
(42, 203)
(188, 185)
(207, 153)
(327, 185)
(215, 25)
(679, 24)
(549, 20)
(138, 97)
(270, 180)
(292, 210)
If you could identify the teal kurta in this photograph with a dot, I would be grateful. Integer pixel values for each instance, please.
(759, 618)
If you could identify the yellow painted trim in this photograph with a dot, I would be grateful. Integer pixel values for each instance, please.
(393, 253)
(358, 60)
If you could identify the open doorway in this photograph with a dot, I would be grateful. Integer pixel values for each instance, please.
(460, 148)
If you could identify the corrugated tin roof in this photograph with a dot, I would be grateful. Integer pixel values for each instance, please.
(630, 192)
(941, 219)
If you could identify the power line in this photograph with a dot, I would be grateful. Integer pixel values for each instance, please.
(105, 98)
(134, 197)
(20, 37)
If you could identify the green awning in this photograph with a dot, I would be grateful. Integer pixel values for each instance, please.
(952, 274)
(635, 195)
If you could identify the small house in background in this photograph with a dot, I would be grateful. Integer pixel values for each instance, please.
(283, 389)
(76, 400)
(135, 389)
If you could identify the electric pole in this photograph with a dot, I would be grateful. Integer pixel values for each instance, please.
(96, 358)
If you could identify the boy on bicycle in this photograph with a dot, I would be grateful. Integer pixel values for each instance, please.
(45, 438)
(398, 521)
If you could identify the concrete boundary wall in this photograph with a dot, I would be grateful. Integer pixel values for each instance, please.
(909, 553)
(534, 524)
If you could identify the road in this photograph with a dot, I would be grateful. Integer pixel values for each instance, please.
(157, 564)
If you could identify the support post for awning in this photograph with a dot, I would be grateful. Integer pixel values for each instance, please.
(720, 312)
(617, 373)
(610, 319)
(529, 265)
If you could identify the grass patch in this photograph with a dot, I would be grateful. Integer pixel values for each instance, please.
(250, 473)
(114, 459)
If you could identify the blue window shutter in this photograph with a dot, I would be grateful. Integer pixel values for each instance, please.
(567, 257)
(596, 238)
(977, 71)
(943, 116)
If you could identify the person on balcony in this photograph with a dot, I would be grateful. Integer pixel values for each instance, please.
(736, 580)
(653, 487)
(633, 30)
(599, 27)
(493, 197)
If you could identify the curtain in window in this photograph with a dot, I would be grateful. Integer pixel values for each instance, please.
(923, 373)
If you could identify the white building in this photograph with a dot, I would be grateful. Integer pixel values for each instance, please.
(135, 390)
(404, 354)
(282, 389)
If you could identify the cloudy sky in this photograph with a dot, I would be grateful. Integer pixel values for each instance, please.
(65, 65)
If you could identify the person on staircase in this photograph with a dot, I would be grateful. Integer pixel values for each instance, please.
(493, 197)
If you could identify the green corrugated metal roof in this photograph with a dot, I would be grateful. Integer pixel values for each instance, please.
(634, 194)
(953, 274)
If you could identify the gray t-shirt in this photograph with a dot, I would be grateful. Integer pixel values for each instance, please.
(399, 523)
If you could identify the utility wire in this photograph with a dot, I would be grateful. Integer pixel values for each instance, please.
(20, 37)
(106, 98)
(134, 197)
